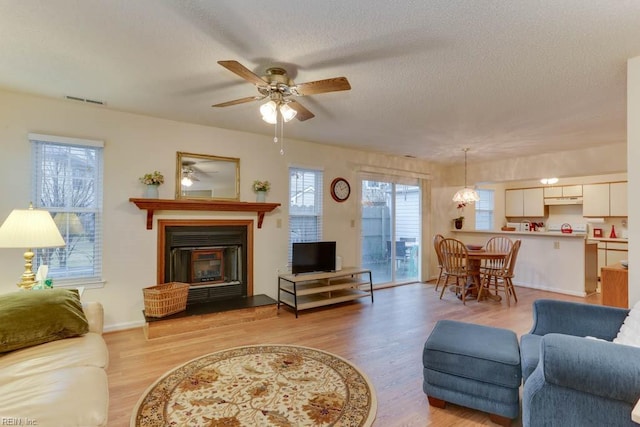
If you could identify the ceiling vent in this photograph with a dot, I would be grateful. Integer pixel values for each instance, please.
(89, 101)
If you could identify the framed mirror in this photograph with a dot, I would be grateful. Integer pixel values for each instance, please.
(199, 176)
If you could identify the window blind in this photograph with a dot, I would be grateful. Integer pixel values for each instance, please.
(305, 206)
(67, 181)
(484, 210)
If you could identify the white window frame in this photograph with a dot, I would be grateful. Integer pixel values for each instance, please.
(485, 207)
(91, 276)
(303, 193)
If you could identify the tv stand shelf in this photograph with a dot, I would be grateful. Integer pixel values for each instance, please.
(310, 290)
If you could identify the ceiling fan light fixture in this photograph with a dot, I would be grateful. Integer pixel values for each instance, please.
(269, 112)
(287, 112)
(186, 181)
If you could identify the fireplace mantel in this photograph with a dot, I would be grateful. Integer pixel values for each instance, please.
(152, 205)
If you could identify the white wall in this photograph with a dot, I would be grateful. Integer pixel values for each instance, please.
(136, 144)
(633, 153)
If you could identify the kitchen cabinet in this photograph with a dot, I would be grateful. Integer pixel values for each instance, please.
(563, 191)
(514, 205)
(610, 253)
(607, 199)
(595, 200)
(618, 199)
(527, 202)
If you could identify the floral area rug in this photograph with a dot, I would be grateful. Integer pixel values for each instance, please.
(263, 385)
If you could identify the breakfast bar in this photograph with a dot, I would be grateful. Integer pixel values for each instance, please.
(550, 261)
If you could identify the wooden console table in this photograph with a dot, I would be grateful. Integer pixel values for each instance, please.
(615, 288)
(310, 290)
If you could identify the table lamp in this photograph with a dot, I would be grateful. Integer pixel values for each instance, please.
(29, 228)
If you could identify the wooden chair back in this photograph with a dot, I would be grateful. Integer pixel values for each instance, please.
(455, 257)
(436, 244)
(511, 259)
(497, 244)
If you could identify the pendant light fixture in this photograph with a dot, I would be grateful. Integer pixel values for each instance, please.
(466, 195)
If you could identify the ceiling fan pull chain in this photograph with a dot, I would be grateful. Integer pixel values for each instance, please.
(275, 132)
(282, 136)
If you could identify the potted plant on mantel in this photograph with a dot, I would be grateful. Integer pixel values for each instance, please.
(458, 222)
(261, 188)
(152, 181)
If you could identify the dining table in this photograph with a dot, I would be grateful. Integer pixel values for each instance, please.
(476, 256)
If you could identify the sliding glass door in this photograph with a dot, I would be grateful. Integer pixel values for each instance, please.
(390, 230)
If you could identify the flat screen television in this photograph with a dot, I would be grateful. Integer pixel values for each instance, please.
(313, 256)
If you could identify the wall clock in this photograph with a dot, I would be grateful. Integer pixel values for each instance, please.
(340, 189)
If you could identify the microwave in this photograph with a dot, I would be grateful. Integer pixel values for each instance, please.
(515, 225)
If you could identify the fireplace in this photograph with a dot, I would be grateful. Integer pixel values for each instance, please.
(207, 265)
(213, 256)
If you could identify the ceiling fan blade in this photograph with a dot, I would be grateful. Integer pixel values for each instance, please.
(303, 113)
(321, 86)
(238, 101)
(242, 71)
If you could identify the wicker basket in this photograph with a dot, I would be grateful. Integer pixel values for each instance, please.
(163, 300)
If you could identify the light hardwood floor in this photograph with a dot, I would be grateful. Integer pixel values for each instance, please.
(384, 339)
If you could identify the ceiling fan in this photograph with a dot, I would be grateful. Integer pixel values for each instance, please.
(279, 88)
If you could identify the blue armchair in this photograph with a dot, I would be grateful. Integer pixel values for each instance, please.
(570, 380)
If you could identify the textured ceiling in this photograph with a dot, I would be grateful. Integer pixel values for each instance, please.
(505, 78)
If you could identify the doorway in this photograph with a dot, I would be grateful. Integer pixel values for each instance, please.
(391, 228)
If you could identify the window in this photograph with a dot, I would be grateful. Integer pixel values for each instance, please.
(484, 210)
(67, 181)
(305, 206)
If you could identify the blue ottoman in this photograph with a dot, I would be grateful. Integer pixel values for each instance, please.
(473, 366)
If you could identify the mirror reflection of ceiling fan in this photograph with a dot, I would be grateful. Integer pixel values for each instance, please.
(189, 173)
(281, 91)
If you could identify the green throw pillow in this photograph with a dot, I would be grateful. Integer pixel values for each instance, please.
(29, 318)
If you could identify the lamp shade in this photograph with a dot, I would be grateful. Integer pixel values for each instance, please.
(466, 195)
(269, 112)
(287, 112)
(30, 228)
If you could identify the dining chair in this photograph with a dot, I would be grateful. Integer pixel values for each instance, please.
(401, 253)
(455, 261)
(436, 245)
(503, 278)
(489, 266)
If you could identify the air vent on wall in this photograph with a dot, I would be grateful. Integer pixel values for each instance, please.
(89, 101)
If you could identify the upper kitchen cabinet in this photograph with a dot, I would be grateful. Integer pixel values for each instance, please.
(527, 202)
(618, 199)
(563, 191)
(595, 200)
(608, 199)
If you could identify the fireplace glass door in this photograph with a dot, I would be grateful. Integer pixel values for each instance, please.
(207, 266)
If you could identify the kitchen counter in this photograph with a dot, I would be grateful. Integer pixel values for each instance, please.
(528, 233)
(608, 239)
(550, 261)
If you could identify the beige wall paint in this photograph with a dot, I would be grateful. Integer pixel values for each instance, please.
(136, 144)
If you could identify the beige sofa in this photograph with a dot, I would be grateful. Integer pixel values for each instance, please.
(58, 383)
